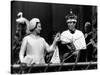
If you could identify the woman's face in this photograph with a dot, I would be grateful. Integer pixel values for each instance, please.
(38, 28)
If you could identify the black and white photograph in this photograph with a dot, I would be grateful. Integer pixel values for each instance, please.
(53, 37)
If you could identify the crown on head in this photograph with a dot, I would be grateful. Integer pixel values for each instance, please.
(71, 15)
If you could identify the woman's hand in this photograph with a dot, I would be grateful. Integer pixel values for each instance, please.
(57, 37)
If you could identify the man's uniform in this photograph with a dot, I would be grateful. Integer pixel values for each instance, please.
(77, 38)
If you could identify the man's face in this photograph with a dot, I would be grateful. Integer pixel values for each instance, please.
(87, 27)
(38, 28)
(71, 24)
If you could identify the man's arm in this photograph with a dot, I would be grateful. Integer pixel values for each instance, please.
(80, 43)
(83, 41)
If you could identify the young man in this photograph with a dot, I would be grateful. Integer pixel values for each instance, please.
(34, 45)
(90, 37)
(73, 38)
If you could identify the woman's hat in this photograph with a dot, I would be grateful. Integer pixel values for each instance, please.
(33, 23)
